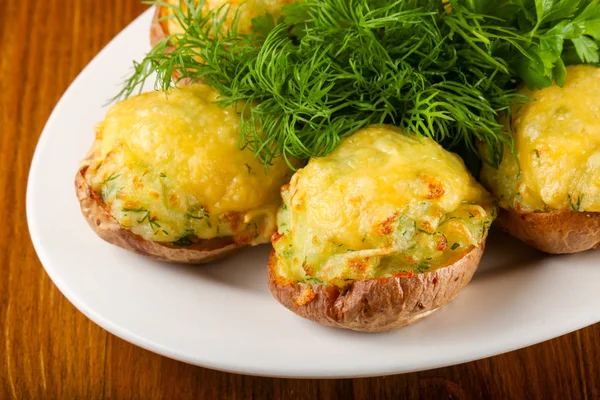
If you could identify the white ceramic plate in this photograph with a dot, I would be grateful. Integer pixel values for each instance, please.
(222, 316)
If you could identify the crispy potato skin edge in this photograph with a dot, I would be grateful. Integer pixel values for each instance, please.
(109, 229)
(376, 305)
(563, 232)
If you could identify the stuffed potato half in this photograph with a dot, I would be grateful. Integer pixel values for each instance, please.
(166, 178)
(550, 193)
(378, 234)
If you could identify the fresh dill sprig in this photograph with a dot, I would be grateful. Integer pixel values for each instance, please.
(575, 206)
(327, 68)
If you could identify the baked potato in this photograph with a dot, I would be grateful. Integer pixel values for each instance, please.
(550, 193)
(380, 233)
(166, 178)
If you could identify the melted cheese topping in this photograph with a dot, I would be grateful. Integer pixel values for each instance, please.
(248, 10)
(557, 139)
(170, 167)
(381, 203)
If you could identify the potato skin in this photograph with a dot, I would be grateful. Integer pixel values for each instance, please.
(376, 305)
(561, 232)
(157, 29)
(109, 229)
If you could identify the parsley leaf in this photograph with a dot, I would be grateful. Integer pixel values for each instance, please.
(263, 25)
(587, 49)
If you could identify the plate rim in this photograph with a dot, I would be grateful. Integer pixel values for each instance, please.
(166, 351)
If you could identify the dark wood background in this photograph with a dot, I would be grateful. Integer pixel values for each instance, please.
(49, 350)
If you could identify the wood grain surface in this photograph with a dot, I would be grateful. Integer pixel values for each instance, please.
(49, 350)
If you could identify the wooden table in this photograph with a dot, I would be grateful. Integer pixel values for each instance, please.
(48, 349)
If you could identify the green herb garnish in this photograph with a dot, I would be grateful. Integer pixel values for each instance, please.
(423, 267)
(314, 280)
(576, 206)
(199, 214)
(154, 225)
(111, 178)
(327, 68)
(183, 242)
(145, 218)
(134, 210)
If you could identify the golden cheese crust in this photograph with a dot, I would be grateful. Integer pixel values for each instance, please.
(563, 232)
(376, 305)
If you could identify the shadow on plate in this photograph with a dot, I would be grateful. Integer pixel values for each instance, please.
(245, 270)
(504, 252)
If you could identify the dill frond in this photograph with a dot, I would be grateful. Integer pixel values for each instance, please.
(328, 68)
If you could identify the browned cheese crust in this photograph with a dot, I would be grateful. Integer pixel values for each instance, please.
(376, 305)
(563, 232)
(104, 224)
